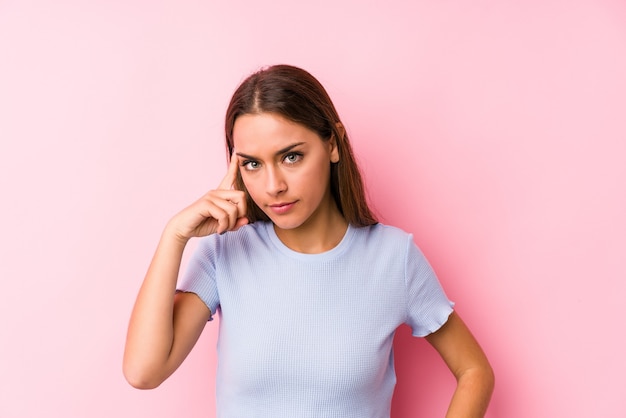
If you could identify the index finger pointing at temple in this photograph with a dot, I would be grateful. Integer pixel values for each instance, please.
(231, 175)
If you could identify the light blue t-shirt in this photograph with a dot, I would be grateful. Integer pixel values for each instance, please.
(310, 335)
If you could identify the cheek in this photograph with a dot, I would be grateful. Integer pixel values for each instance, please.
(317, 175)
(312, 182)
(253, 186)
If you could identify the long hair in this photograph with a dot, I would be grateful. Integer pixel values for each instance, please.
(296, 95)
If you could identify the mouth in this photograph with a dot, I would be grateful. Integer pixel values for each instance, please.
(282, 207)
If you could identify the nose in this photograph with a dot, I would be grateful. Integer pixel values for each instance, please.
(275, 182)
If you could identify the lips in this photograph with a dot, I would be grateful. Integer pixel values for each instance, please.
(282, 208)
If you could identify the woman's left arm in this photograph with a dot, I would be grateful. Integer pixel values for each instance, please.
(467, 361)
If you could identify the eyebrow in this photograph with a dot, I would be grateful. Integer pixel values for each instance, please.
(279, 152)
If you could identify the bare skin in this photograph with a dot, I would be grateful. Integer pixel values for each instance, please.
(466, 360)
(283, 165)
(286, 169)
(165, 326)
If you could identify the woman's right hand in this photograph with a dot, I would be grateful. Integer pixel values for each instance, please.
(220, 210)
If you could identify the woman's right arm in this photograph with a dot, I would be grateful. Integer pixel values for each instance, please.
(164, 326)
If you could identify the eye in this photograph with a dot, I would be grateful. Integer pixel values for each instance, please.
(293, 157)
(250, 165)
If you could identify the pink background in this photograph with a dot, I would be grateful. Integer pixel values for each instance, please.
(495, 131)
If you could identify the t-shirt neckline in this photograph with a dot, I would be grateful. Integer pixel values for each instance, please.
(324, 256)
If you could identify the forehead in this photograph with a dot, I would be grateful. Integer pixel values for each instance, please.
(267, 132)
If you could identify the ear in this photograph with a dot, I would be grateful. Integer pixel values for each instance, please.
(334, 150)
(340, 129)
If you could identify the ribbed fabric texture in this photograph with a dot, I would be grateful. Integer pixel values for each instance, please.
(310, 335)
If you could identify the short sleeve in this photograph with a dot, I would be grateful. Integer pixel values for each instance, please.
(200, 275)
(428, 307)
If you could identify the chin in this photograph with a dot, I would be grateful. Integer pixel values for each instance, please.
(286, 224)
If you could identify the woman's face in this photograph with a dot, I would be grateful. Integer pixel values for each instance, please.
(285, 168)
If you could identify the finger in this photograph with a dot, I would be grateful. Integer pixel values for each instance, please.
(232, 205)
(231, 175)
(228, 214)
(222, 212)
(235, 198)
(241, 222)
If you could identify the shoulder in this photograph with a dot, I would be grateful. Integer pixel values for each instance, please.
(248, 236)
(380, 240)
(383, 233)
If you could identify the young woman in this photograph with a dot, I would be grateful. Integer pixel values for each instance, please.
(309, 287)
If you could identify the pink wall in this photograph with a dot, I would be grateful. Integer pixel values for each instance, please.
(493, 130)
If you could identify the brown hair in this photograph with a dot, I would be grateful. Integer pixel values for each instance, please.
(296, 95)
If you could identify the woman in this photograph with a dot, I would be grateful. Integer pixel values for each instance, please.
(309, 286)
